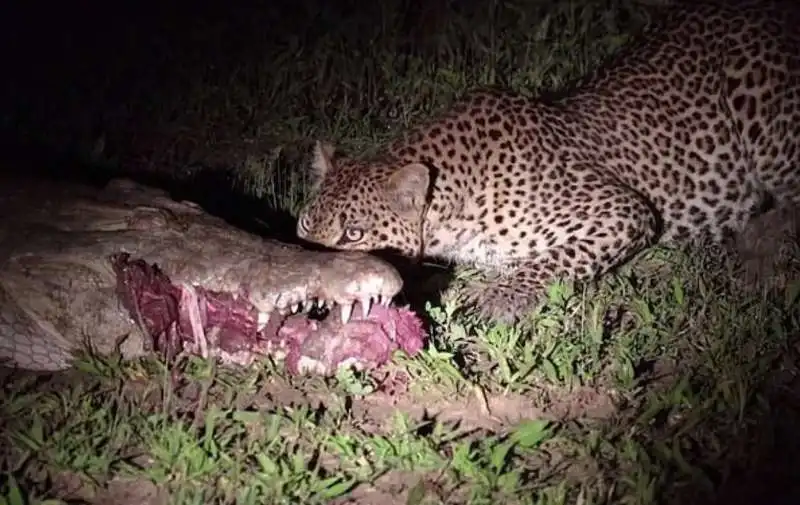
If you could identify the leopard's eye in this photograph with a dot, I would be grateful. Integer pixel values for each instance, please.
(352, 234)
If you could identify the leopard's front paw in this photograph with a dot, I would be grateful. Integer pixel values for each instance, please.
(500, 302)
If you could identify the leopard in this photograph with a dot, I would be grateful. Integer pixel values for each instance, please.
(682, 134)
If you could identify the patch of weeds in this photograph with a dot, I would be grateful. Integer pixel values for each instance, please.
(250, 457)
(75, 430)
(399, 448)
(488, 465)
(12, 494)
(438, 363)
(565, 339)
(354, 383)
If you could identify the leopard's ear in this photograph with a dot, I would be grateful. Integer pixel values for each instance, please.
(321, 163)
(408, 188)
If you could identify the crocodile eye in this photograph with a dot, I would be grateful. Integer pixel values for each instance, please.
(352, 235)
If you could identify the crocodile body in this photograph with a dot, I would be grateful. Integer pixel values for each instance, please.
(126, 268)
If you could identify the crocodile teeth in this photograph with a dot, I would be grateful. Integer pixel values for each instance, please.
(263, 319)
(366, 305)
(347, 311)
(386, 301)
(295, 308)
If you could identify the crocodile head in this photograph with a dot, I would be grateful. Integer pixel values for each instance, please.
(129, 260)
(338, 313)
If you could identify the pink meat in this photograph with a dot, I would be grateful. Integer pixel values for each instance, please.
(226, 325)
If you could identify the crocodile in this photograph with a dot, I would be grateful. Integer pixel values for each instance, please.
(127, 269)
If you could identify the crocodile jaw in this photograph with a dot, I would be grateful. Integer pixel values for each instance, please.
(343, 280)
(181, 318)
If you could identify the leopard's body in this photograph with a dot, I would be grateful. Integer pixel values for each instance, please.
(684, 133)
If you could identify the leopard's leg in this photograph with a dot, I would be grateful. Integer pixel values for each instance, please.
(616, 223)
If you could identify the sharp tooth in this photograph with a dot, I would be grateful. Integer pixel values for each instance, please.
(263, 319)
(295, 308)
(347, 311)
(387, 300)
(366, 305)
(322, 303)
(311, 304)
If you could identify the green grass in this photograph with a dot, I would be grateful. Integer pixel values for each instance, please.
(656, 385)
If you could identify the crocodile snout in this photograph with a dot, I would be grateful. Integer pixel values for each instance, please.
(107, 261)
(329, 280)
